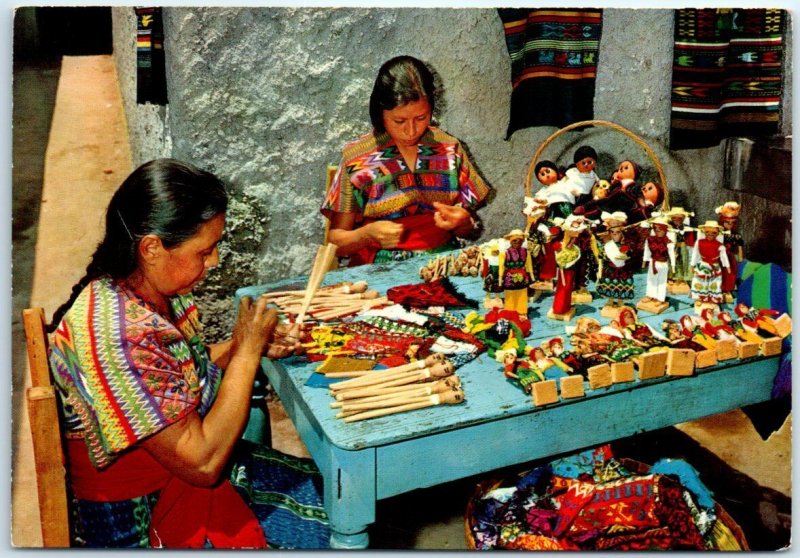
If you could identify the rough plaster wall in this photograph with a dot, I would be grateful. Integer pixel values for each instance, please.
(147, 124)
(266, 97)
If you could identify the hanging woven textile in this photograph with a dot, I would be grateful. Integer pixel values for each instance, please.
(553, 65)
(726, 76)
(151, 82)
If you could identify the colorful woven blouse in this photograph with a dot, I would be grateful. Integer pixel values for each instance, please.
(125, 372)
(374, 181)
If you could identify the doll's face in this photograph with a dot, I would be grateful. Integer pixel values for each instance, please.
(585, 165)
(600, 189)
(650, 192)
(673, 331)
(710, 234)
(625, 170)
(547, 176)
(538, 353)
(728, 224)
(677, 220)
(615, 234)
(626, 318)
(557, 348)
(516, 242)
(660, 231)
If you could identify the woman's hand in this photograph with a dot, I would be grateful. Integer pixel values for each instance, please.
(452, 218)
(254, 328)
(286, 341)
(385, 233)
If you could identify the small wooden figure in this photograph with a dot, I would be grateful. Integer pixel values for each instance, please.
(539, 241)
(733, 242)
(684, 238)
(658, 258)
(515, 272)
(708, 260)
(490, 271)
(567, 254)
(615, 277)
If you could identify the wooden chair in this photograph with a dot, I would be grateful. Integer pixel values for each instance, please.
(48, 453)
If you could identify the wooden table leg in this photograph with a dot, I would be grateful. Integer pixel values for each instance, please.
(350, 496)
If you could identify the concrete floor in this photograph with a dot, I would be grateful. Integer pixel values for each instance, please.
(750, 477)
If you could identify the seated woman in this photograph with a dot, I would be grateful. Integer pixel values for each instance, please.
(406, 186)
(153, 415)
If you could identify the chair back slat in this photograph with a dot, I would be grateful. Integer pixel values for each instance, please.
(48, 453)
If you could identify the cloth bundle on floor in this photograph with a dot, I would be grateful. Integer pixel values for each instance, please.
(727, 75)
(553, 65)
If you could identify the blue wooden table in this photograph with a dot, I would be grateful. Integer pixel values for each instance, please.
(497, 425)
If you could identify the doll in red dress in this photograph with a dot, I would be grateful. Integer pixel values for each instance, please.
(708, 260)
(729, 219)
(567, 255)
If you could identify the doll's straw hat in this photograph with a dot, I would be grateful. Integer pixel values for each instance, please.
(728, 210)
(516, 233)
(710, 225)
(678, 212)
(660, 221)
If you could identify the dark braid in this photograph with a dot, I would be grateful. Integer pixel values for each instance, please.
(163, 197)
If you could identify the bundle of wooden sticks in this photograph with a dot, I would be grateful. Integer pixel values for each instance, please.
(331, 302)
(416, 385)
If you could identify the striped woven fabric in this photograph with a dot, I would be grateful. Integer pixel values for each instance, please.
(765, 285)
(726, 75)
(553, 64)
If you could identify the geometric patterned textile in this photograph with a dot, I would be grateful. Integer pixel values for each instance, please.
(727, 75)
(124, 372)
(374, 181)
(151, 77)
(553, 64)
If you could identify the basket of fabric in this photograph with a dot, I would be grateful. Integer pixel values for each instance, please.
(594, 501)
(531, 175)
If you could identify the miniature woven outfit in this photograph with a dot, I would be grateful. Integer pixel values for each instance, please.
(374, 182)
(617, 278)
(125, 373)
(708, 259)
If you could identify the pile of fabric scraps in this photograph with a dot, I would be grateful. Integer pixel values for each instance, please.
(393, 336)
(440, 292)
(593, 501)
(415, 385)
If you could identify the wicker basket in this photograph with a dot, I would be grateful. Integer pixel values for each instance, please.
(616, 127)
(632, 465)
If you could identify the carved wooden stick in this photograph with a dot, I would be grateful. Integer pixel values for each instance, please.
(357, 306)
(353, 394)
(435, 372)
(429, 360)
(379, 376)
(345, 287)
(448, 398)
(410, 390)
(322, 263)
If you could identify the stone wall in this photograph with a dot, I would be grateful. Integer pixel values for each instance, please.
(266, 97)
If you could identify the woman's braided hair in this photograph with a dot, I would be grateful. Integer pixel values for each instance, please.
(163, 197)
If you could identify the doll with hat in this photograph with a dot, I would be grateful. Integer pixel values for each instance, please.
(658, 258)
(490, 272)
(567, 255)
(515, 273)
(615, 280)
(708, 260)
(683, 237)
(539, 242)
(729, 219)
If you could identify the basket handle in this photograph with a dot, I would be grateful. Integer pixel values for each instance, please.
(639, 141)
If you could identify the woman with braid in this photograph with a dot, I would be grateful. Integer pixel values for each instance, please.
(153, 416)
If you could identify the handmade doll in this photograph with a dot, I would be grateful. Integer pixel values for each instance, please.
(708, 260)
(657, 258)
(639, 332)
(615, 348)
(515, 272)
(581, 175)
(623, 194)
(615, 278)
(490, 271)
(567, 254)
(771, 322)
(711, 324)
(729, 219)
(683, 237)
(677, 338)
(691, 329)
(582, 357)
(539, 240)
(558, 192)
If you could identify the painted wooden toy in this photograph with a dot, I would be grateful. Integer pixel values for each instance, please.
(516, 273)
(733, 242)
(615, 280)
(708, 260)
(658, 258)
(567, 255)
(539, 241)
(684, 237)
